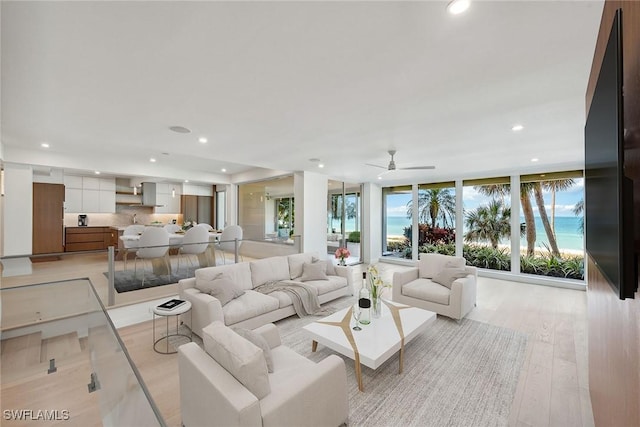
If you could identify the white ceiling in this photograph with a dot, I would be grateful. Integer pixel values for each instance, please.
(273, 84)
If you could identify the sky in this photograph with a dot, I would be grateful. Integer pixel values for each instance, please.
(565, 200)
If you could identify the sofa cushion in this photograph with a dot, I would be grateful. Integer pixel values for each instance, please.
(287, 364)
(269, 269)
(221, 287)
(284, 300)
(241, 358)
(258, 340)
(331, 268)
(431, 264)
(239, 273)
(331, 284)
(249, 305)
(448, 275)
(314, 271)
(296, 261)
(427, 290)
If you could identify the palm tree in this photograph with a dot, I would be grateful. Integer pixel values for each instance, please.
(537, 190)
(491, 222)
(555, 186)
(433, 205)
(578, 210)
(503, 190)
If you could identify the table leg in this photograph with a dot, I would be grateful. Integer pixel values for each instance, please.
(314, 346)
(359, 373)
(401, 361)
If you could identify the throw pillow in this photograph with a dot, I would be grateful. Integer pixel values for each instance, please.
(258, 340)
(240, 357)
(314, 271)
(448, 274)
(222, 288)
(331, 269)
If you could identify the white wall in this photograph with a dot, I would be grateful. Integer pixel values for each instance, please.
(310, 192)
(18, 209)
(54, 176)
(232, 204)
(371, 222)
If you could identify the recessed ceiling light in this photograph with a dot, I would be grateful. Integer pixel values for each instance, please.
(152, 160)
(379, 177)
(456, 7)
(186, 180)
(44, 145)
(97, 172)
(223, 170)
(517, 128)
(320, 165)
(180, 129)
(535, 159)
(202, 140)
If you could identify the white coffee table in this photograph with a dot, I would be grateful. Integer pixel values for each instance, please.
(376, 342)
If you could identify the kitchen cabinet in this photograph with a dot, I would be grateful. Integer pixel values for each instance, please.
(89, 195)
(88, 238)
(168, 196)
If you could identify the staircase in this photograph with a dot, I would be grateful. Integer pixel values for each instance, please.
(27, 356)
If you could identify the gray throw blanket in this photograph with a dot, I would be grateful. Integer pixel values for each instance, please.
(303, 296)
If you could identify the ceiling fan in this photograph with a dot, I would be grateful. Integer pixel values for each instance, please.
(392, 165)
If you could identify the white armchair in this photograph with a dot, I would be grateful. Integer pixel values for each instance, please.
(298, 392)
(439, 283)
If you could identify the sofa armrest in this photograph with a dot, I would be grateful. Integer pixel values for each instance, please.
(204, 310)
(208, 392)
(401, 278)
(463, 295)
(317, 396)
(270, 333)
(347, 273)
(185, 284)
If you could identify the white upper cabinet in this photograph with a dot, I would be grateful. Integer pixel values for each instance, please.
(89, 194)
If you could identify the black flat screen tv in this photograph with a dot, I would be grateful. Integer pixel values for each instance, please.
(608, 192)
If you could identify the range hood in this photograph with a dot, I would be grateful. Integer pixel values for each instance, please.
(149, 195)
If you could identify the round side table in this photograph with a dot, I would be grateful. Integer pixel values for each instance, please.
(184, 308)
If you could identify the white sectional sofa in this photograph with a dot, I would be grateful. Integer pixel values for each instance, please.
(254, 309)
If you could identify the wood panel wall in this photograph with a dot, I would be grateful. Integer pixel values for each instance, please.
(614, 325)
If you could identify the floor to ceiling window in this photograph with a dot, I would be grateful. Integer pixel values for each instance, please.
(397, 222)
(344, 216)
(437, 217)
(487, 223)
(553, 244)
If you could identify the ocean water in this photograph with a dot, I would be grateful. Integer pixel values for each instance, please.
(568, 233)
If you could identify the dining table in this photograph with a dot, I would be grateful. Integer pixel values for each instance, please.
(205, 259)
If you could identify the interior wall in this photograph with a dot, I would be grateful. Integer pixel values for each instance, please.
(614, 349)
(371, 222)
(18, 206)
(310, 192)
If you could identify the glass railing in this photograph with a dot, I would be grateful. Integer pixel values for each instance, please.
(131, 274)
(62, 360)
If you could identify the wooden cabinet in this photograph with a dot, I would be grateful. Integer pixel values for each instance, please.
(48, 218)
(198, 209)
(89, 238)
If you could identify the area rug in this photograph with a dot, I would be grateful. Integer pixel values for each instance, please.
(126, 281)
(455, 374)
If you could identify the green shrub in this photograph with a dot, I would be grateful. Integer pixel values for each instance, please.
(354, 237)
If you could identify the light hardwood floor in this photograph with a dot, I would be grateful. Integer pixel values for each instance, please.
(553, 386)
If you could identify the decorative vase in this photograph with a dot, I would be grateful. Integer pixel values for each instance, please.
(342, 263)
(376, 307)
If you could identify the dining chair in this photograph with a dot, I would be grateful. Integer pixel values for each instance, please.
(205, 225)
(131, 230)
(154, 243)
(195, 242)
(227, 240)
(172, 228)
